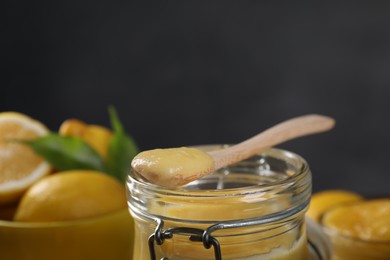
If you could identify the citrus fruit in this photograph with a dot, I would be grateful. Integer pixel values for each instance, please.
(368, 219)
(19, 165)
(323, 200)
(97, 136)
(71, 195)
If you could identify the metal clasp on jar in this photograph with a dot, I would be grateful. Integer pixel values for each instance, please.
(195, 235)
(204, 236)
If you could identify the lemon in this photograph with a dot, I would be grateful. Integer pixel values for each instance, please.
(71, 195)
(20, 167)
(322, 201)
(97, 136)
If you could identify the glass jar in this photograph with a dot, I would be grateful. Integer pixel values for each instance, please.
(254, 209)
(345, 248)
(352, 246)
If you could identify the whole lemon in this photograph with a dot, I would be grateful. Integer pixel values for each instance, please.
(97, 136)
(326, 199)
(71, 195)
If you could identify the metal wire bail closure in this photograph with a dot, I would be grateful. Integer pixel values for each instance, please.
(199, 235)
(195, 235)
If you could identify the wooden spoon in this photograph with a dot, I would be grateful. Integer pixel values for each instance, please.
(179, 166)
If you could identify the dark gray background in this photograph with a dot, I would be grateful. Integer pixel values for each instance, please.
(186, 73)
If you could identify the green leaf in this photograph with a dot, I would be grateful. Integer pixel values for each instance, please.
(121, 149)
(116, 124)
(66, 152)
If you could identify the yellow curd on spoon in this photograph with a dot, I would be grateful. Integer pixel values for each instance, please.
(173, 165)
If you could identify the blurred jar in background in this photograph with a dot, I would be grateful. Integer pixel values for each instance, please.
(359, 230)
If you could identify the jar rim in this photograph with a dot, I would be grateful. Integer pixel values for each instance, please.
(300, 172)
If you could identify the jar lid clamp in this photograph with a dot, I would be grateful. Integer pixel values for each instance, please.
(199, 235)
(195, 235)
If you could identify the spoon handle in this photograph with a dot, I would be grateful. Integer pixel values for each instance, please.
(282, 132)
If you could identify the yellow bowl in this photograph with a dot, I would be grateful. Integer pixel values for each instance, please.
(105, 237)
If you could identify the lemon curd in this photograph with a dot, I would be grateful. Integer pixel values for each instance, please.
(168, 167)
(251, 210)
(359, 230)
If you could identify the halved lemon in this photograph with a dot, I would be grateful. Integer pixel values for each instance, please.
(20, 167)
